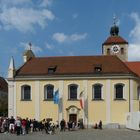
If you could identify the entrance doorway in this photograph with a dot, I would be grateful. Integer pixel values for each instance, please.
(73, 117)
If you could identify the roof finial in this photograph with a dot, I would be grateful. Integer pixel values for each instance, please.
(114, 31)
(114, 19)
(30, 45)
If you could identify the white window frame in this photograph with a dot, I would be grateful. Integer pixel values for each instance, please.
(22, 93)
(102, 97)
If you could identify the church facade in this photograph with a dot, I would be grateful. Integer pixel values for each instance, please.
(89, 88)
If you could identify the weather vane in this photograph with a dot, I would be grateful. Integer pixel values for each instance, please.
(30, 45)
(114, 19)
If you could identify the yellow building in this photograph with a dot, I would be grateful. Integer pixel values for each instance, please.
(107, 84)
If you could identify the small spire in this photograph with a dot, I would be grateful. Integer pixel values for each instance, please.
(12, 64)
(11, 69)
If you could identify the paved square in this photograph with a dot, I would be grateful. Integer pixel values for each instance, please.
(90, 134)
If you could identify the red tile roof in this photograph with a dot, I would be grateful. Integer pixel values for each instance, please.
(114, 40)
(134, 66)
(68, 65)
(3, 85)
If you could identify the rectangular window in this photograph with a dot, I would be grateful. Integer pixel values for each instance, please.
(97, 95)
(73, 92)
(119, 91)
(48, 91)
(26, 93)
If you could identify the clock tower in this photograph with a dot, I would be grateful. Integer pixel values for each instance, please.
(115, 44)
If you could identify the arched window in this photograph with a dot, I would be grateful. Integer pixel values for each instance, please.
(97, 92)
(108, 51)
(119, 91)
(25, 92)
(73, 92)
(48, 92)
(122, 50)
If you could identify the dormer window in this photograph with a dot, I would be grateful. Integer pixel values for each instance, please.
(51, 69)
(98, 68)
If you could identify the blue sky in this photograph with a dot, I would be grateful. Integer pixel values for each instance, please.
(64, 27)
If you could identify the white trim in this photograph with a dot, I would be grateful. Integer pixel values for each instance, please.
(114, 90)
(37, 101)
(78, 89)
(124, 92)
(15, 100)
(131, 95)
(108, 96)
(46, 91)
(10, 98)
(102, 92)
(93, 94)
(54, 77)
(22, 94)
(85, 110)
(60, 105)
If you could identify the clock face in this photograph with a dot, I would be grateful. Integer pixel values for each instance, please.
(115, 48)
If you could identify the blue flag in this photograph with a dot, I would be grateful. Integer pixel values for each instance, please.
(56, 97)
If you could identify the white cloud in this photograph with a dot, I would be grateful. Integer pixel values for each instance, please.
(14, 2)
(45, 3)
(49, 46)
(76, 37)
(23, 18)
(134, 46)
(135, 33)
(133, 52)
(35, 48)
(62, 38)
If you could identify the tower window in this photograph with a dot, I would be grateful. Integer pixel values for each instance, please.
(108, 51)
(122, 50)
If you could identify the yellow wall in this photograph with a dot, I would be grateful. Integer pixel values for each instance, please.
(97, 110)
(47, 108)
(119, 108)
(25, 108)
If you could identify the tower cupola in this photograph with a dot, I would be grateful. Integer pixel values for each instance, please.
(114, 30)
(115, 44)
(28, 54)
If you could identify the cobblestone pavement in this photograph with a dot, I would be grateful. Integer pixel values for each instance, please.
(90, 134)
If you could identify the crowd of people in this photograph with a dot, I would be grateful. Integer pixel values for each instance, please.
(24, 126)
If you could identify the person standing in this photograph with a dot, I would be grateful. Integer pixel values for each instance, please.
(18, 126)
(11, 125)
(23, 123)
(62, 125)
(100, 124)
